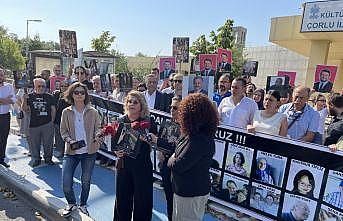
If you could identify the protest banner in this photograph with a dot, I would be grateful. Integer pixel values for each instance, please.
(270, 181)
(181, 49)
(68, 43)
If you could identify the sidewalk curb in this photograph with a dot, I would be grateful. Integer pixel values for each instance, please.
(50, 206)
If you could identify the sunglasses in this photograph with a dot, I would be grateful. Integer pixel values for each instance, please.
(79, 92)
(79, 73)
(177, 81)
(132, 102)
(322, 100)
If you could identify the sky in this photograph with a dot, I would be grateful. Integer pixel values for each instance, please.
(146, 26)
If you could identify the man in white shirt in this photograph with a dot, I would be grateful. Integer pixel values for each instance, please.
(7, 97)
(237, 110)
(154, 98)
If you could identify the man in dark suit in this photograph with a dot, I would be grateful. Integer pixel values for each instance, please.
(208, 71)
(224, 65)
(198, 83)
(324, 85)
(167, 70)
(154, 98)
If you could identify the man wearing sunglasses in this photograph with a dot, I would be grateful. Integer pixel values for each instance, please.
(301, 117)
(41, 106)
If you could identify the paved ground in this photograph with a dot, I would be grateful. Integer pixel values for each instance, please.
(14, 208)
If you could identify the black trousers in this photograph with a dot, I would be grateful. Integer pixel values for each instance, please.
(168, 190)
(134, 192)
(4, 131)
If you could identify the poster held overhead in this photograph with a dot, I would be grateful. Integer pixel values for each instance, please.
(290, 74)
(181, 49)
(278, 83)
(208, 64)
(125, 82)
(167, 66)
(22, 79)
(198, 84)
(250, 68)
(324, 78)
(68, 43)
(224, 60)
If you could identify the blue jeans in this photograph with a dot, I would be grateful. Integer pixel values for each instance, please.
(70, 163)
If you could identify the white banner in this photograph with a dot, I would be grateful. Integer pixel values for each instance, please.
(322, 16)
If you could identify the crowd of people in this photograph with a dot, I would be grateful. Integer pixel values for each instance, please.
(62, 111)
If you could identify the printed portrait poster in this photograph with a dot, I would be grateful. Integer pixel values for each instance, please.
(224, 60)
(170, 132)
(215, 183)
(68, 43)
(105, 80)
(198, 84)
(334, 189)
(208, 64)
(324, 78)
(167, 66)
(270, 168)
(302, 207)
(305, 179)
(265, 198)
(195, 66)
(55, 82)
(250, 68)
(239, 159)
(290, 74)
(218, 157)
(235, 189)
(22, 79)
(125, 82)
(181, 49)
(328, 214)
(279, 83)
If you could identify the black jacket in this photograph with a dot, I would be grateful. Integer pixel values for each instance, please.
(190, 167)
(327, 88)
(161, 102)
(335, 131)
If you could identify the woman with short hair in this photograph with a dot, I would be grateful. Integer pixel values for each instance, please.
(190, 164)
(80, 126)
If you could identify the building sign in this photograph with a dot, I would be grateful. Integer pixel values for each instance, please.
(322, 16)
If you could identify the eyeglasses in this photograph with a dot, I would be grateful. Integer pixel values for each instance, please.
(321, 100)
(132, 102)
(40, 86)
(177, 81)
(298, 97)
(79, 92)
(305, 185)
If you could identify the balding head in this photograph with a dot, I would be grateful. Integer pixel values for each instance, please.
(301, 95)
(300, 211)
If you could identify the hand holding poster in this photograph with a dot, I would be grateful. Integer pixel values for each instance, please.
(324, 78)
(68, 43)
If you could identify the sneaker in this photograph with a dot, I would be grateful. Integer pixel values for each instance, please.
(68, 209)
(84, 210)
(3, 163)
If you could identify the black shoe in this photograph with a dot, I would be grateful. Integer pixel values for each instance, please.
(4, 164)
(49, 162)
(36, 163)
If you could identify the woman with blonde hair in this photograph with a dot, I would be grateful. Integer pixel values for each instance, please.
(134, 183)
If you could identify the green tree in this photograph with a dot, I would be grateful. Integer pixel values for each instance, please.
(222, 38)
(10, 56)
(121, 62)
(103, 42)
(140, 54)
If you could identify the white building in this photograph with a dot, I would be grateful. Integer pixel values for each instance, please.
(272, 59)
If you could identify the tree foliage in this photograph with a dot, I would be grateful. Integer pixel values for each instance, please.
(222, 38)
(10, 56)
(104, 42)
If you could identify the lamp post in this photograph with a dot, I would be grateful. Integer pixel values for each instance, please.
(27, 33)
